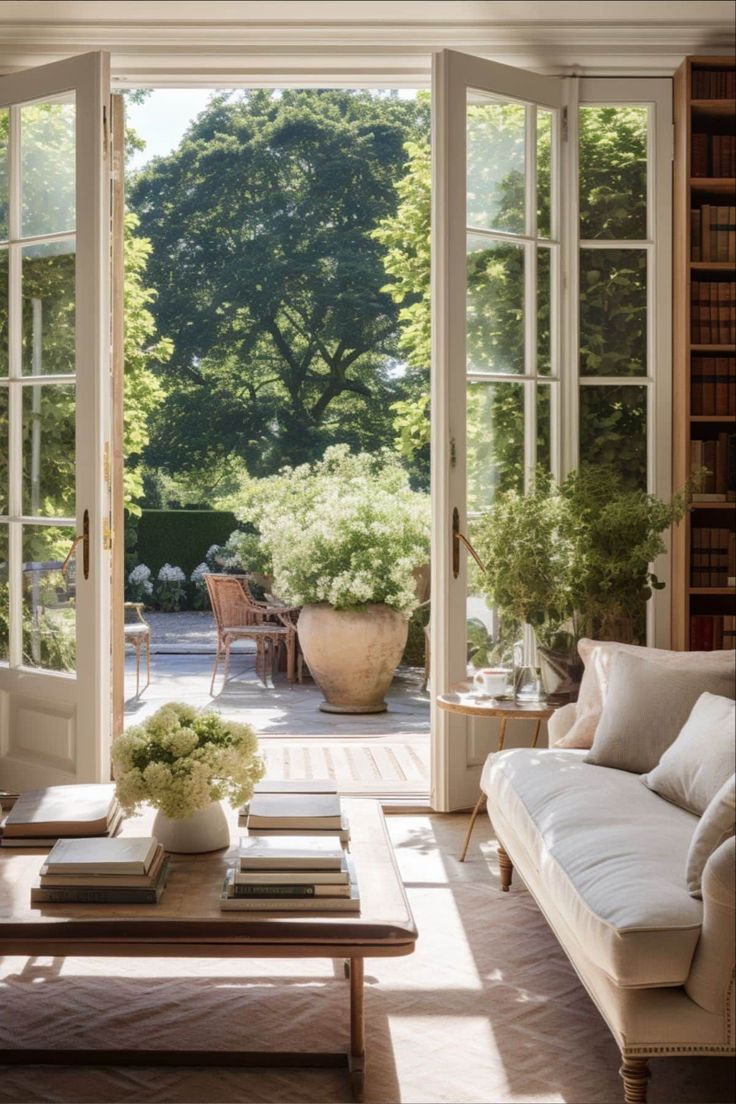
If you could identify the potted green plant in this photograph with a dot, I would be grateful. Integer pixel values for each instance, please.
(345, 536)
(574, 560)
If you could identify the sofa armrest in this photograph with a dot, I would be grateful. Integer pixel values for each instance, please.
(711, 974)
(561, 722)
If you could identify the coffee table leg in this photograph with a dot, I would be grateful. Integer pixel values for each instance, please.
(356, 1059)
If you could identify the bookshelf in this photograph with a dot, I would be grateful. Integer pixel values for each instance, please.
(704, 316)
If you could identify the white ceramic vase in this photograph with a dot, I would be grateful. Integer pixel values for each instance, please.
(352, 654)
(207, 830)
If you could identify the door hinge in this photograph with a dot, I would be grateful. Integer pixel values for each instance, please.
(565, 124)
(104, 132)
(106, 463)
(106, 535)
(453, 453)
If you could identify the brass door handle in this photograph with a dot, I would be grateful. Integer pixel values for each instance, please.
(83, 539)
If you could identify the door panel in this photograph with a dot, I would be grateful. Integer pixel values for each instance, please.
(495, 371)
(54, 415)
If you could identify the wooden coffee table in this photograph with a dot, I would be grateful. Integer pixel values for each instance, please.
(464, 699)
(188, 923)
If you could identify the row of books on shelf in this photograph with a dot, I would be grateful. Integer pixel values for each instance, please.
(713, 318)
(713, 463)
(712, 631)
(713, 385)
(712, 557)
(713, 84)
(713, 155)
(713, 233)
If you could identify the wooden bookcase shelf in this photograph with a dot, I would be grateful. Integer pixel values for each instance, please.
(714, 117)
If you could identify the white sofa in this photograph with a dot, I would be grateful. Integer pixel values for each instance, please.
(604, 857)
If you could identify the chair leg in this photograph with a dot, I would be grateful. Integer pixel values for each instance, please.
(214, 669)
(137, 668)
(290, 652)
(148, 663)
(635, 1073)
(506, 868)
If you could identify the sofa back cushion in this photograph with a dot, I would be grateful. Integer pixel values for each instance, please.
(714, 827)
(597, 655)
(702, 758)
(647, 703)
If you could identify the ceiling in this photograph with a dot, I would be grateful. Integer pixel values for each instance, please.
(388, 42)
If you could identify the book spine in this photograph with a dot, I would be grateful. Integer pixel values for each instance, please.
(699, 149)
(90, 896)
(237, 890)
(696, 252)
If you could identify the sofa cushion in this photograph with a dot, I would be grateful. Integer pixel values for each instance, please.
(696, 765)
(597, 656)
(646, 706)
(611, 855)
(714, 827)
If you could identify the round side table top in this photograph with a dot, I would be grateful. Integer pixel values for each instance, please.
(463, 698)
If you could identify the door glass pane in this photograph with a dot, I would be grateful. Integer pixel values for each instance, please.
(495, 434)
(613, 430)
(48, 451)
(3, 450)
(613, 312)
(544, 427)
(496, 164)
(544, 311)
(3, 312)
(4, 594)
(613, 172)
(48, 308)
(544, 173)
(49, 623)
(47, 158)
(495, 306)
(4, 123)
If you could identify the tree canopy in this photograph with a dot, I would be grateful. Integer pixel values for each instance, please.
(269, 282)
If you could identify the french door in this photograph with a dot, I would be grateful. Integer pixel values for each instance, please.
(496, 336)
(54, 419)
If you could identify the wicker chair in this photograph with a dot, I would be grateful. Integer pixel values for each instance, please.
(239, 617)
(138, 633)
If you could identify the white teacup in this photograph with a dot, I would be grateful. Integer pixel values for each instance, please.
(492, 680)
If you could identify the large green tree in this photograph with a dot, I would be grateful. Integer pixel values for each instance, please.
(269, 282)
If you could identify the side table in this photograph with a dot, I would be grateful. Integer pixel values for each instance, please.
(461, 699)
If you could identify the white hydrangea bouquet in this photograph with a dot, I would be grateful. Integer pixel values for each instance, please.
(181, 760)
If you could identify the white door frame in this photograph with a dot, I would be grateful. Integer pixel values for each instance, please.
(54, 727)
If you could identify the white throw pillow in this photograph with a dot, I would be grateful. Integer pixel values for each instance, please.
(646, 706)
(702, 758)
(715, 826)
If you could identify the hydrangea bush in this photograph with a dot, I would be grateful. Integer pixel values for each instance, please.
(347, 530)
(181, 760)
(242, 554)
(140, 586)
(170, 590)
(201, 597)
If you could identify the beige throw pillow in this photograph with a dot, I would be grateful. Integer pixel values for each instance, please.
(646, 705)
(715, 826)
(597, 655)
(694, 768)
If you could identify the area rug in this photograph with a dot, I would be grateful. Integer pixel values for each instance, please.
(488, 1009)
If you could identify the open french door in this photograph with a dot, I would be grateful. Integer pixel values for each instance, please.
(54, 422)
(495, 322)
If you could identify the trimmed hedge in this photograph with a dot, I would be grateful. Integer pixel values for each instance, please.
(180, 537)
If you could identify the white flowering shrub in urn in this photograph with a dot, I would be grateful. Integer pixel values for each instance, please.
(185, 763)
(345, 535)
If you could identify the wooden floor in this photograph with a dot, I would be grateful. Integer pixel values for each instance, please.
(398, 765)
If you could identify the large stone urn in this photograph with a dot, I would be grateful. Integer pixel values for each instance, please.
(352, 654)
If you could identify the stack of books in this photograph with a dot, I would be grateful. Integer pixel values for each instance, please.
(718, 457)
(291, 874)
(709, 631)
(38, 818)
(713, 312)
(130, 870)
(287, 813)
(713, 389)
(712, 557)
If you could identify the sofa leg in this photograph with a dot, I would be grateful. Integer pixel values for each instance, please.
(635, 1073)
(507, 869)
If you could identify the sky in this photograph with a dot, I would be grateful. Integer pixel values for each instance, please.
(164, 116)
